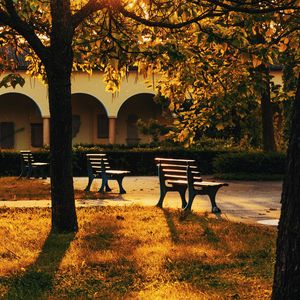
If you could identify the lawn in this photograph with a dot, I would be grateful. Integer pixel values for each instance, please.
(134, 253)
(13, 188)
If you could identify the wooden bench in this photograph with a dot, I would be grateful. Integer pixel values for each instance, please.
(29, 167)
(180, 175)
(98, 167)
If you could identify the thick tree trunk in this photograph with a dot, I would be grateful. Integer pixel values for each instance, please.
(287, 269)
(267, 114)
(59, 68)
(62, 191)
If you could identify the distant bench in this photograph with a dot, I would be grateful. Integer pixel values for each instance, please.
(29, 167)
(98, 167)
(182, 174)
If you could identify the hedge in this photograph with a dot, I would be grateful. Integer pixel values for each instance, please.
(139, 161)
(250, 163)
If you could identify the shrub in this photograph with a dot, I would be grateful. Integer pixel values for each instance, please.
(140, 161)
(252, 162)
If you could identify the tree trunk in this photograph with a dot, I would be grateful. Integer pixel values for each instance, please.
(287, 269)
(267, 114)
(58, 68)
(62, 192)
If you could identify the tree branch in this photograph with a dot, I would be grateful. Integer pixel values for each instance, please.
(208, 14)
(91, 7)
(12, 19)
(256, 7)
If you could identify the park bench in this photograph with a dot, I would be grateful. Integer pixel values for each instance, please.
(180, 175)
(29, 167)
(98, 167)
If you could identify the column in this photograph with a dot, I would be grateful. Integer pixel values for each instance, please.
(46, 131)
(112, 130)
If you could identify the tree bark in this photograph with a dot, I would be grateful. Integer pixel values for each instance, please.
(58, 68)
(287, 269)
(267, 114)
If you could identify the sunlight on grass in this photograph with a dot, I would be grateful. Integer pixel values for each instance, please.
(133, 253)
(15, 189)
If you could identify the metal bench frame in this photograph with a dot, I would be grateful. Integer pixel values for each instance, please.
(31, 168)
(98, 167)
(180, 175)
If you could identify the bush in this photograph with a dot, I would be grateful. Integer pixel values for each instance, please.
(250, 163)
(140, 161)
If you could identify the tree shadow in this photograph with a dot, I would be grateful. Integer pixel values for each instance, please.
(39, 277)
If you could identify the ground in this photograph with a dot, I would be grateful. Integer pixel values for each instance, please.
(246, 201)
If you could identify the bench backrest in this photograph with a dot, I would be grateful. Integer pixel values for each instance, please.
(97, 163)
(26, 157)
(177, 169)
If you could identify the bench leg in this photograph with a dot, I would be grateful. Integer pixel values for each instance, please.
(107, 188)
(36, 172)
(161, 198)
(119, 180)
(182, 191)
(87, 189)
(212, 197)
(23, 171)
(103, 185)
(29, 172)
(188, 207)
(43, 172)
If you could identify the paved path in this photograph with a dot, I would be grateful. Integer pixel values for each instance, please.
(246, 201)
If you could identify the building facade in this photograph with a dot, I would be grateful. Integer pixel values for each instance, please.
(98, 116)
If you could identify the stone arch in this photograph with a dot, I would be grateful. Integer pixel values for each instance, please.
(21, 123)
(140, 106)
(90, 120)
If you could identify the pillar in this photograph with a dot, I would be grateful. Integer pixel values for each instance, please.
(112, 130)
(46, 131)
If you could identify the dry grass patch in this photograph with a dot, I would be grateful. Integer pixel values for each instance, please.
(134, 253)
(13, 188)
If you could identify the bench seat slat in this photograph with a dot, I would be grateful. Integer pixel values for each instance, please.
(177, 166)
(169, 176)
(174, 160)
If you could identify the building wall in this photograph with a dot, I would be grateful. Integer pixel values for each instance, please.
(89, 99)
(23, 112)
(29, 104)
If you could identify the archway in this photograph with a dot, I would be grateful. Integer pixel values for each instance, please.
(140, 106)
(90, 121)
(21, 123)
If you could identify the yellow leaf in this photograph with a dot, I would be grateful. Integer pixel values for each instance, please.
(256, 62)
(220, 126)
(282, 47)
(286, 40)
(171, 106)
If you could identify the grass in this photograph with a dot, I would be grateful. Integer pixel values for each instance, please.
(134, 253)
(13, 188)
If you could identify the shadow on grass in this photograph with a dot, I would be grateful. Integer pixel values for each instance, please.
(38, 279)
(172, 227)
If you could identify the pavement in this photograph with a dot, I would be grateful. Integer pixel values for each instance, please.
(242, 201)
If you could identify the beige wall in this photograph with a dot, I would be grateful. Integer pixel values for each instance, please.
(85, 84)
(88, 108)
(89, 99)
